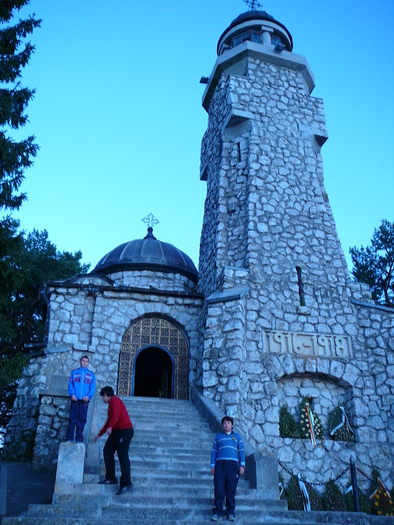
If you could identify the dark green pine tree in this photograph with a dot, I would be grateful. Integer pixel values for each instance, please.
(15, 156)
(374, 265)
(23, 310)
(26, 261)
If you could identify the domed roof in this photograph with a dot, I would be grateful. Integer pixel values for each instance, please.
(253, 18)
(252, 14)
(147, 254)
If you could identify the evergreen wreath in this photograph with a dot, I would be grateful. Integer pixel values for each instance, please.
(288, 426)
(381, 501)
(295, 499)
(305, 430)
(339, 426)
(333, 499)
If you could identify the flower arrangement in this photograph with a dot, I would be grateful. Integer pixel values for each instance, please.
(364, 501)
(339, 425)
(381, 501)
(333, 499)
(310, 424)
(300, 495)
(295, 499)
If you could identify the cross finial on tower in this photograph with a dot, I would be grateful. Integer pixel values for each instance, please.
(253, 4)
(150, 220)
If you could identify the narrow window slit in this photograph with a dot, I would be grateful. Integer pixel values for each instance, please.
(239, 151)
(300, 286)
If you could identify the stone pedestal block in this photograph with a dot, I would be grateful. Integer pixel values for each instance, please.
(70, 463)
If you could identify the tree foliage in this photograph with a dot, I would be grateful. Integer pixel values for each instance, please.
(374, 265)
(15, 156)
(26, 261)
(23, 308)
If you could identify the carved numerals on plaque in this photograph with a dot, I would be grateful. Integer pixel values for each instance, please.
(307, 344)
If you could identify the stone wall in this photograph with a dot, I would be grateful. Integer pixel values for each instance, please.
(51, 429)
(273, 269)
(210, 170)
(42, 375)
(90, 318)
(266, 207)
(150, 279)
(252, 385)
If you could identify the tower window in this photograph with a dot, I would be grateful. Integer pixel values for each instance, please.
(275, 40)
(300, 286)
(252, 35)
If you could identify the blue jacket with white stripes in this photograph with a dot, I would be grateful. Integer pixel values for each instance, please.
(82, 383)
(228, 447)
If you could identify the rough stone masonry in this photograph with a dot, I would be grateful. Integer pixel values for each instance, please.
(275, 317)
(283, 319)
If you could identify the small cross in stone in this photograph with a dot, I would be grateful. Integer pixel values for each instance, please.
(253, 4)
(150, 220)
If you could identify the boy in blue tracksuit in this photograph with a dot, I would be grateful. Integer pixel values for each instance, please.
(227, 463)
(81, 386)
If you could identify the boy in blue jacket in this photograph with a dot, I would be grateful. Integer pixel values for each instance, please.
(81, 386)
(227, 463)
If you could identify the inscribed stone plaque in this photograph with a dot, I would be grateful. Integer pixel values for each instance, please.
(307, 344)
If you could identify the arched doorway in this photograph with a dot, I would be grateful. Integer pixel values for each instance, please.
(153, 373)
(157, 335)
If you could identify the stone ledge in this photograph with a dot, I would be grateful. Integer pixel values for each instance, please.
(232, 294)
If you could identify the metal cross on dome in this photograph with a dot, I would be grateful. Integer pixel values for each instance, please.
(253, 4)
(150, 220)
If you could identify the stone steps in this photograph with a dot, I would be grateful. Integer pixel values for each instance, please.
(162, 477)
(133, 506)
(170, 468)
(172, 483)
(182, 517)
(180, 447)
(125, 515)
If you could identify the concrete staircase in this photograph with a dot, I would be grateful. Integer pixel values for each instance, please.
(172, 483)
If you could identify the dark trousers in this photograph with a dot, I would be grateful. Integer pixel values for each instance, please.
(77, 420)
(118, 441)
(226, 481)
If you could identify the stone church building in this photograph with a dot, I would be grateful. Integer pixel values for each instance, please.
(270, 319)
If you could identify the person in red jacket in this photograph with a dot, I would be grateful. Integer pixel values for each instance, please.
(119, 430)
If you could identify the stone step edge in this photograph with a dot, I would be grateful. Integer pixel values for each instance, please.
(163, 521)
(200, 504)
(293, 516)
(98, 490)
(178, 492)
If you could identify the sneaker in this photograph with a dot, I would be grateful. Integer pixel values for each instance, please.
(215, 517)
(122, 490)
(108, 482)
(231, 517)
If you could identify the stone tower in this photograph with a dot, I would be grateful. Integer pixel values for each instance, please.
(272, 318)
(281, 321)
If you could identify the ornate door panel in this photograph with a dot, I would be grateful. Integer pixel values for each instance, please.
(148, 332)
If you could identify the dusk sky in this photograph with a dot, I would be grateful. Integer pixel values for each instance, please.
(118, 116)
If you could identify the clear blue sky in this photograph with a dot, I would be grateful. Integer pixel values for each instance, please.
(118, 114)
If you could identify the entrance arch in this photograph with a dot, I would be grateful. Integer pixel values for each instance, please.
(153, 373)
(153, 335)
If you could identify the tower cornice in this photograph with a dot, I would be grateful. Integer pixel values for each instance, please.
(232, 62)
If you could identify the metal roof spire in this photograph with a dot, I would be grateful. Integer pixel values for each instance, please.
(150, 220)
(253, 5)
